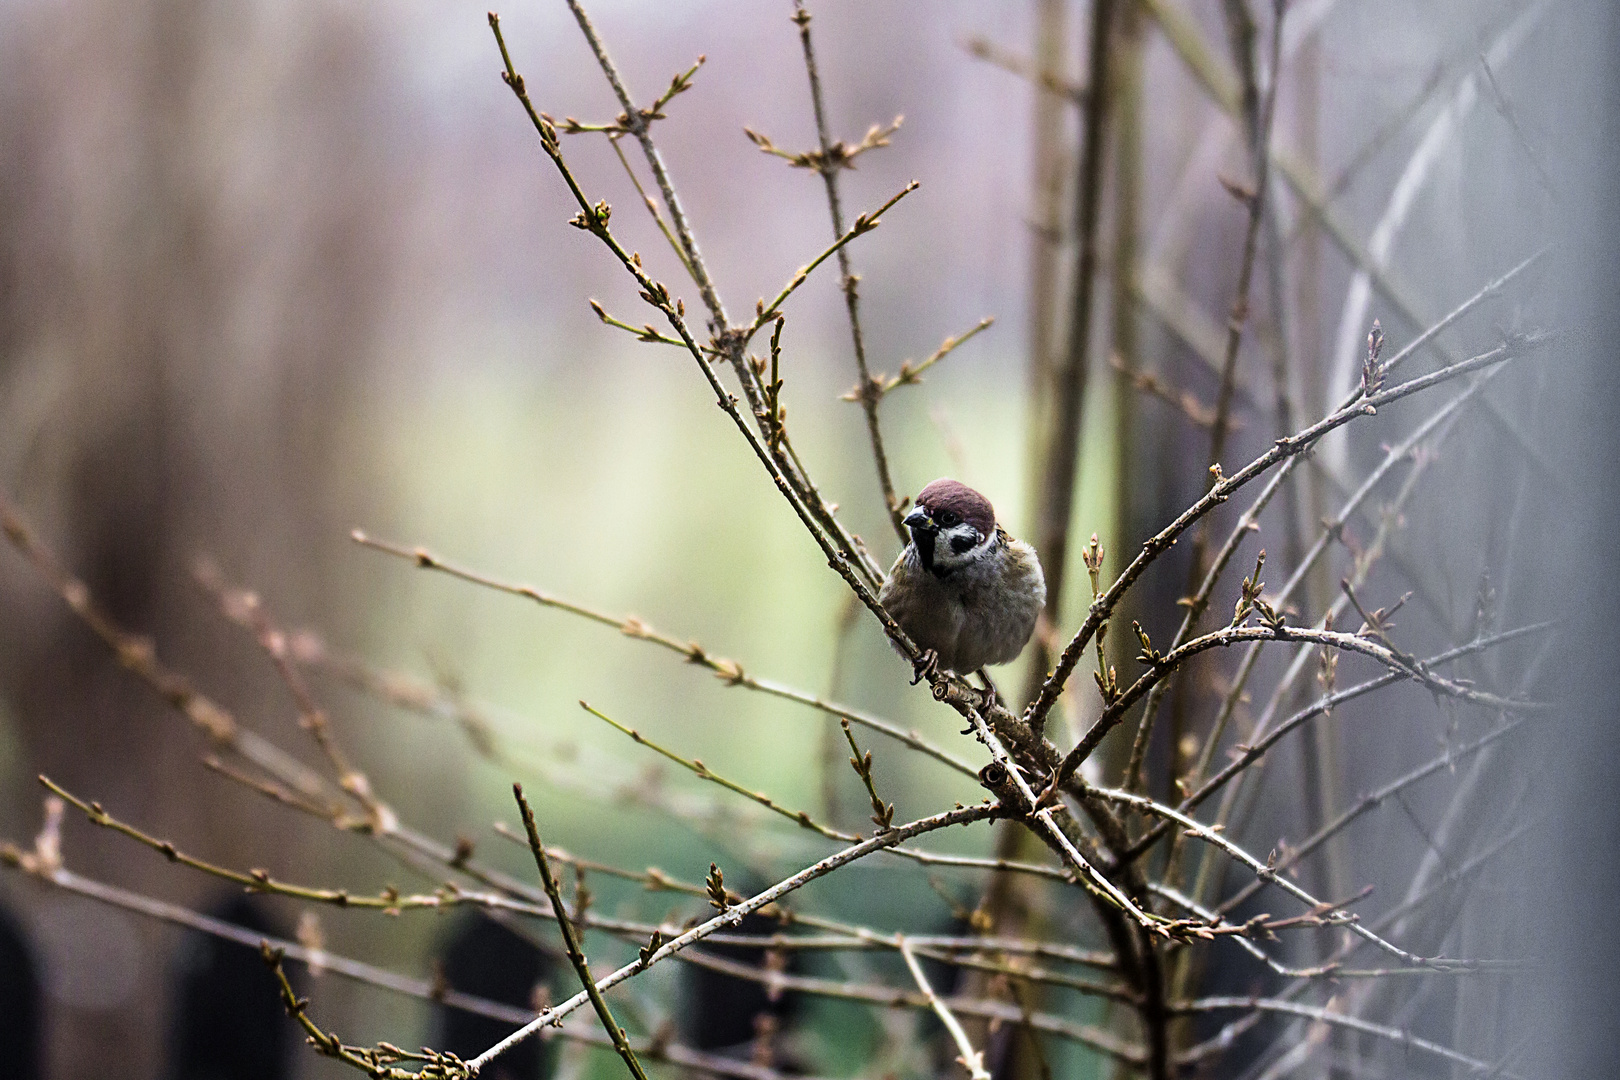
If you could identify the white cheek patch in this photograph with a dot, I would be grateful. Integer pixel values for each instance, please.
(957, 547)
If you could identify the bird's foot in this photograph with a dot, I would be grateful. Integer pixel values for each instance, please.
(987, 698)
(926, 666)
(992, 696)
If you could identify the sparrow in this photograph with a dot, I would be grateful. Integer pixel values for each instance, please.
(963, 589)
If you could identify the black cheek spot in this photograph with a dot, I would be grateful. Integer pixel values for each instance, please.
(962, 544)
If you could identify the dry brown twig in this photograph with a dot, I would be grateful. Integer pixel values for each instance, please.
(831, 157)
(982, 48)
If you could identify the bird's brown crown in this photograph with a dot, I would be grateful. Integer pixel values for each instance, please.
(973, 508)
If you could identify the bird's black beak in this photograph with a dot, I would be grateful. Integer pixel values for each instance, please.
(918, 521)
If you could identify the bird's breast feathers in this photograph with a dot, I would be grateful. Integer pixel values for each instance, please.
(981, 613)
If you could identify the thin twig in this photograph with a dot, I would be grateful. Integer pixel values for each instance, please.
(971, 1059)
(1328, 1016)
(1248, 755)
(1162, 664)
(1290, 446)
(1258, 119)
(1331, 529)
(652, 208)
(1257, 114)
(734, 914)
(576, 956)
(1266, 872)
(389, 900)
(637, 122)
(799, 817)
(728, 671)
(247, 610)
(829, 167)
(139, 656)
(910, 374)
(982, 48)
(864, 223)
(1008, 777)
(1156, 386)
(1370, 801)
(593, 218)
(1183, 35)
(730, 343)
(985, 1008)
(365, 974)
(378, 1062)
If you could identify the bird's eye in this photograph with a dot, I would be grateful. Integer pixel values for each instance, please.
(947, 519)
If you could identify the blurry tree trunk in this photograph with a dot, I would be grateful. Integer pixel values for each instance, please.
(1060, 457)
(1052, 160)
(1058, 390)
(178, 329)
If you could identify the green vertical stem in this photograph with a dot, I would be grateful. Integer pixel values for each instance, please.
(576, 957)
(1127, 124)
(1049, 168)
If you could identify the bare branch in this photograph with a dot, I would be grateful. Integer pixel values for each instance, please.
(1289, 446)
(576, 956)
(971, 1059)
(982, 48)
(730, 672)
(734, 915)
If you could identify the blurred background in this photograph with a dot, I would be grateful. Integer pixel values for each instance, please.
(272, 272)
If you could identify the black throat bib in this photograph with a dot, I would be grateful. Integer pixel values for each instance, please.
(924, 543)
